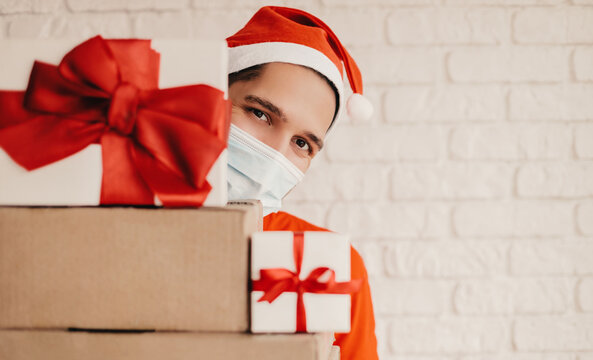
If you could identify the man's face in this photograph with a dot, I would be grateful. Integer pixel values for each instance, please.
(288, 107)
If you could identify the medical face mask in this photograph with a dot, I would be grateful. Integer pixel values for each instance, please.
(257, 171)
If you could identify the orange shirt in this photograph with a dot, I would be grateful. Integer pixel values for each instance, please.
(360, 343)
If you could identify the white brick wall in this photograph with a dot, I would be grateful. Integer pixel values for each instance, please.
(553, 333)
(470, 191)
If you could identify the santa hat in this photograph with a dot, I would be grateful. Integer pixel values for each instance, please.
(280, 34)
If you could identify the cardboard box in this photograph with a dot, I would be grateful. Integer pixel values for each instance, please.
(76, 180)
(325, 309)
(126, 268)
(334, 353)
(62, 345)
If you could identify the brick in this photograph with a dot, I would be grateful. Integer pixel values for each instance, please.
(218, 24)
(567, 333)
(30, 26)
(361, 182)
(418, 357)
(314, 213)
(15, 6)
(382, 65)
(113, 25)
(585, 218)
(503, 2)
(582, 61)
(572, 24)
(539, 64)
(445, 259)
(451, 181)
(513, 296)
(522, 356)
(328, 182)
(551, 102)
(511, 142)
(410, 297)
(442, 103)
(388, 220)
(378, 2)
(447, 336)
(552, 257)
(585, 294)
(372, 254)
(386, 143)
(48, 6)
(252, 5)
(473, 26)
(361, 27)
(583, 135)
(174, 24)
(412, 26)
(518, 64)
(381, 327)
(30, 6)
(580, 24)
(109, 25)
(109, 5)
(564, 180)
(513, 219)
(447, 26)
(540, 25)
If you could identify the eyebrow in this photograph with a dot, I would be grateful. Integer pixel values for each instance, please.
(268, 105)
(315, 139)
(276, 111)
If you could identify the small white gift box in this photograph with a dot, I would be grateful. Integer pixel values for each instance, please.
(77, 179)
(300, 282)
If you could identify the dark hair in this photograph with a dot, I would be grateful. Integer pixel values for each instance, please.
(247, 74)
(253, 72)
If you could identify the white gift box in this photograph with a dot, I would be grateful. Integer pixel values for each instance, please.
(325, 312)
(76, 180)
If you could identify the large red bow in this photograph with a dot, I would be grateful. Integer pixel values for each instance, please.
(154, 141)
(273, 282)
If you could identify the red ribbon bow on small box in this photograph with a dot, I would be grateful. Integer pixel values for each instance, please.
(154, 141)
(273, 282)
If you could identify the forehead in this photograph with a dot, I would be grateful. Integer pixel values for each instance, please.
(303, 95)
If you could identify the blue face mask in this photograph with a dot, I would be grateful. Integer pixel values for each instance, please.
(257, 171)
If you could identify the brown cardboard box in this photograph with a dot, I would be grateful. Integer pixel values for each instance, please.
(334, 353)
(126, 268)
(63, 345)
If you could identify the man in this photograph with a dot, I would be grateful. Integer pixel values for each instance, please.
(285, 83)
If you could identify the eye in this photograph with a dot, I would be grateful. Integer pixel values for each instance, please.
(261, 115)
(303, 145)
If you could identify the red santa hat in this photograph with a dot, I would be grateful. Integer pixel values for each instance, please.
(280, 34)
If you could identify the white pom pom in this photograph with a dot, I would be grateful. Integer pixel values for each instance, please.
(359, 107)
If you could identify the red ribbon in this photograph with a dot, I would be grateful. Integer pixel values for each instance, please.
(154, 141)
(275, 281)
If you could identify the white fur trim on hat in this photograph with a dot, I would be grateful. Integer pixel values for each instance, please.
(244, 56)
(359, 107)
